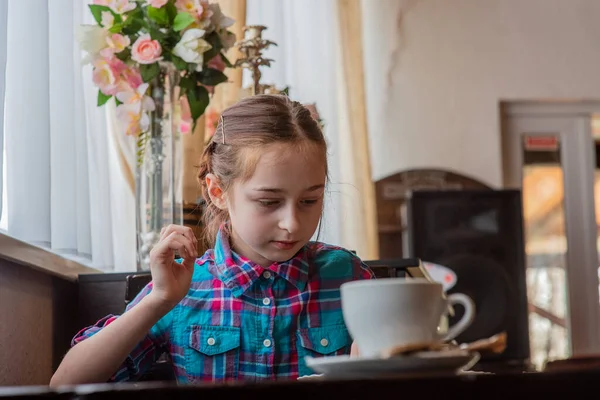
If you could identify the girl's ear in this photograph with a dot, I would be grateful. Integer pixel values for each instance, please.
(217, 196)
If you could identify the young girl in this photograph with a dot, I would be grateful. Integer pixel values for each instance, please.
(264, 296)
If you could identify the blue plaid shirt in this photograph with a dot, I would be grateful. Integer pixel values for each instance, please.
(242, 321)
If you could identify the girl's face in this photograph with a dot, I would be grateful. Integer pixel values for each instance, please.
(275, 212)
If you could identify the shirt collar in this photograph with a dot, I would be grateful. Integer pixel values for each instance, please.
(239, 273)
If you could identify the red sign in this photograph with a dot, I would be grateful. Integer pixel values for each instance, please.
(541, 143)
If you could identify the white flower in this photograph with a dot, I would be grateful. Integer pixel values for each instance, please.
(92, 40)
(133, 113)
(137, 96)
(191, 47)
(132, 119)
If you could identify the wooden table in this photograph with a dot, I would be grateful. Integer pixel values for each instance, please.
(488, 387)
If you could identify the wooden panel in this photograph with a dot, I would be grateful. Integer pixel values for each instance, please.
(100, 295)
(64, 318)
(25, 325)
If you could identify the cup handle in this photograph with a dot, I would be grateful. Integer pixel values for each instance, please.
(466, 320)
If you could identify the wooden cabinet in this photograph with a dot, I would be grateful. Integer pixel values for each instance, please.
(391, 193)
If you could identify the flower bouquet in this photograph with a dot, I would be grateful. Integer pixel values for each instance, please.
(137, 41)
(160, 60)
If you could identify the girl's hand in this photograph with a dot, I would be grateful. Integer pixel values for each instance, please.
(171, 280)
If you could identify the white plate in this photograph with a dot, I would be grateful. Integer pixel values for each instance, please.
(425, 363)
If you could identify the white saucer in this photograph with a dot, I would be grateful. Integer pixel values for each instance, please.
(311, 377)
(418, 364)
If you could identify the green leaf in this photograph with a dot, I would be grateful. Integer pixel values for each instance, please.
(212, 77)
(116, 28)
(182, 21)
(102, 98)
(97, 11)
(134, 22)
(136, 13)
(158, 15)
(179, 63)
(228, 63)
(187, 83)
(156, 34)
(198, 99)
(215, 41)
(149, 71)
(132, 27)
(124, 55)
(171, 12)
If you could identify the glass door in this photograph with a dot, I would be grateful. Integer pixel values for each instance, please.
(549, 152)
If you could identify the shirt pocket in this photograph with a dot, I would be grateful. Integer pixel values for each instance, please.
(319, 342)
(213, 353)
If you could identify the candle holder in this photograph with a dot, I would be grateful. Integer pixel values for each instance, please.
(251, 48)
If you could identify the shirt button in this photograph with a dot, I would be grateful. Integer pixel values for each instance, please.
(267, 274)
(211, 341)
(266, 301)
(324, 342)
(267, 343)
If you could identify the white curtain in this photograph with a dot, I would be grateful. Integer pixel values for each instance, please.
(306, 60)
(65, 190)
(3, 31)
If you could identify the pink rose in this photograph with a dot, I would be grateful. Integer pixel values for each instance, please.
(217, 63)
(145, 50)
(156, 3)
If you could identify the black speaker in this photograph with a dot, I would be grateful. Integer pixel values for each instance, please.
(478, 234)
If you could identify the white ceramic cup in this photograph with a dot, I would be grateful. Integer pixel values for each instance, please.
(385, 313)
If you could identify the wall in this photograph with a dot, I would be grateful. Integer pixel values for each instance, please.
(436, 71)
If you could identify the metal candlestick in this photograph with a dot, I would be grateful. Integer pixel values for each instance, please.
(252, 47)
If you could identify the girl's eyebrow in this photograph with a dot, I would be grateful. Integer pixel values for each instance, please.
(315, 187)
(278, 190)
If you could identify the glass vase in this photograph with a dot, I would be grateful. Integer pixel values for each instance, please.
(159, 194)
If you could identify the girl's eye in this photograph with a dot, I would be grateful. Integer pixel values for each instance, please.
(310, 201)
(268, 203)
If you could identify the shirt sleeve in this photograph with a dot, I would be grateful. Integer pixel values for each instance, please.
(339, 264)
(361, 270)
(145, 353)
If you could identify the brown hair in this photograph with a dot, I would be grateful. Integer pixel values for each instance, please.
(242, 133)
